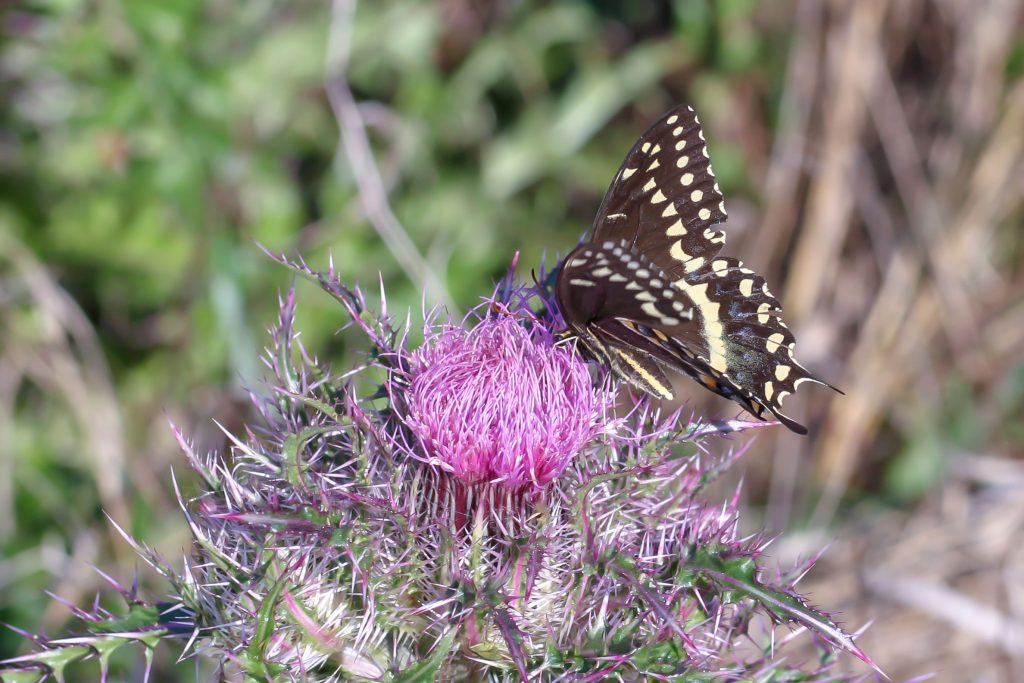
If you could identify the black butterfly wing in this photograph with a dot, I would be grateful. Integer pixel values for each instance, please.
(702, 314)
(664, 199)
(621, 306)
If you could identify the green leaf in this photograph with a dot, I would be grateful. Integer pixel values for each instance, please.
(424, 671)
(737, 576)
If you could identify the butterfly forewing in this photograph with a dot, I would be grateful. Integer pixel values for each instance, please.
(665, 199)
(649, 287)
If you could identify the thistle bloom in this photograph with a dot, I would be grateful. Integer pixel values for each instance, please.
(486, 522)
(501, 403)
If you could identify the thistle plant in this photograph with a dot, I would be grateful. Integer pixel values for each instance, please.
(478, 508)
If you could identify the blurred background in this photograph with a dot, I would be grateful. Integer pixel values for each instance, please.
(872, 158)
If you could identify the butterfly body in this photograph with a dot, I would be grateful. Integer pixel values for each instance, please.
(648, 289)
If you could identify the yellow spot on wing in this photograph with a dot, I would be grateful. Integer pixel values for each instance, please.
(650, 185)
(651, 380)
(782, 372)
(658, 197)
(669, 211)
(693, 264)
(769, 389)
(774, 342)
(713, 329)
(627, 173)
(675, 230)
(746, 287)
(651, 310)
(710, 234)
(676, 251)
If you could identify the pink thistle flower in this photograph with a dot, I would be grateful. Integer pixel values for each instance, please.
(501, 403)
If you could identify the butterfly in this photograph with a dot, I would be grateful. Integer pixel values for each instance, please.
(648, 290)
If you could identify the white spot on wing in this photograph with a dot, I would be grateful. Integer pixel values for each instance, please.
(669, 211)
(782, 372)
(746, 287)
(696, 196)
(650, 185)
(686, 179)
(658, 197)
(704, 214)
(581, 283)
(627, 172)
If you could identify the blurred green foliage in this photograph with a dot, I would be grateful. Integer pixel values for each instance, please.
(148, 147)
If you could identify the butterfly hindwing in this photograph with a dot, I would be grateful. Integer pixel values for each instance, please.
(649, 289)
